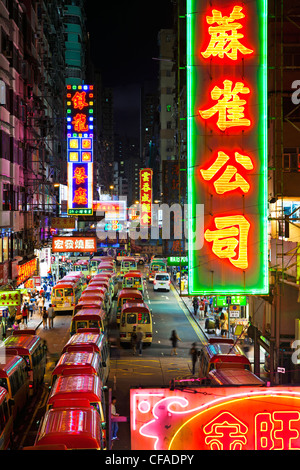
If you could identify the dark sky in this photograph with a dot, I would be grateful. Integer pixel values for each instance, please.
(123, 37)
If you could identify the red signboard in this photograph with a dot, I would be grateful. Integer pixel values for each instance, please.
(223, 418)
(73, 244)
(25, 271)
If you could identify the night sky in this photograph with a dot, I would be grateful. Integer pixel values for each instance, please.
(123, 37)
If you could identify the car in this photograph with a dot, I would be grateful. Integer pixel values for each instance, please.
(139, 258)
(162, 281)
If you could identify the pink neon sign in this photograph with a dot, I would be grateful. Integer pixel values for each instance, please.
(216, 419)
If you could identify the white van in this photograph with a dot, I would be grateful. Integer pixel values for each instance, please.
(162, 281)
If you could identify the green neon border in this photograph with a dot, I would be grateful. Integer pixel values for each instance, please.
(262, 10)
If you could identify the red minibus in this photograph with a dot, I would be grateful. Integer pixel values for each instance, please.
(75, 427)
(78, 362)
(6, 419)
(88, 318)
(33, 349)
(74, 387)
(14, 378)
(127, 295)
(221, 353)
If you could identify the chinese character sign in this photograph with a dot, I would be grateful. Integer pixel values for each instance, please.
(80, 129)
(145, 196)
(227, 145)
(73, 244)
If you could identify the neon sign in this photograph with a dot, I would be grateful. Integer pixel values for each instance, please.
(146, 196)
(80, 128)
(73, 244)
(233, 418)
(227, 146)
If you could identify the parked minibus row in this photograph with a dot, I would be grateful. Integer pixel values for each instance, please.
(22, 370)
(132, 312)
(75, 416)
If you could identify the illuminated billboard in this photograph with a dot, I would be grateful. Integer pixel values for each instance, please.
(146, 175)
(74, 244)
(227, 145)
(216, 418)
(80, 130)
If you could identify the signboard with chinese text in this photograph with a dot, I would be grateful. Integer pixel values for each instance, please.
(63, 222)
(80, 130)
(114, 210)
(227, 145)
(26, 271)
(74, 244)
(146, 196)
(219, 418)
(10, 298)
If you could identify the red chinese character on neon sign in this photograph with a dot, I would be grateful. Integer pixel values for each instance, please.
(230, 108)
(80, 196)
(79, 175)
(79, 123)
(230, 179)
(79, 100)
(225, 37)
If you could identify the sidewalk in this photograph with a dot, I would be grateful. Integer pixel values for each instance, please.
(33, 323)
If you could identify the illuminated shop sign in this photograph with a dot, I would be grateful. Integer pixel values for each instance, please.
(221, 418)
(146, 196)
(26, 270)
(73, 244)
(227, 145)
(114, 210)
(80, 130)
(10, 298)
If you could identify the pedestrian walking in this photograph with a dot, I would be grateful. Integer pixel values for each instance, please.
(133, 340)
(50, 316)
(45, 317)
(16, 326)
(174, 338)
(114, 424)
(194, 355)
(195, 305)
(223, 324)
(30, 308)
(201, 310)
(25, 314)
(48, 292)
(139, 340)
(40, 304)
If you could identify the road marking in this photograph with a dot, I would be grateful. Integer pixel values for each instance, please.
(194, 325)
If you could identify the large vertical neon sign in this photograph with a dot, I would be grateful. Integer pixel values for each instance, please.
(227, 145)
(146, 196)
(80, 103)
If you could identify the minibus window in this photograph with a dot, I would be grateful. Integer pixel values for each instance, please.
(96, 406)
(144, 318)
(131, 318)
(59, 293)
(3, 383)
(27, 360)
(68, 292)
(82, 324)
(94, 324)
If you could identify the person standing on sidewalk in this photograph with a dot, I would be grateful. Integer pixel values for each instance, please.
(114, 424)
(40, 304)
(195, 305)
(50, 316)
